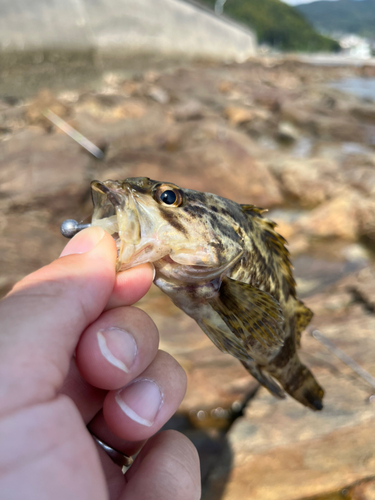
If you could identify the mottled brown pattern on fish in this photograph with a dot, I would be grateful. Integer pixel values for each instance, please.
(225, 265)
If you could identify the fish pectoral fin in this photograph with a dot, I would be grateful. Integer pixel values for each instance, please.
(303, 317)
(246, 310)
(265, 379)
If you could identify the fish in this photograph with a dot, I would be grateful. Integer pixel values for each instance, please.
(223, 264)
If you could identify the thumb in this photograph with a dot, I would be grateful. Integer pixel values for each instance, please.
(44, 315)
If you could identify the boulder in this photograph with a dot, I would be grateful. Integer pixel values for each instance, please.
(309, 181)
(337, 218)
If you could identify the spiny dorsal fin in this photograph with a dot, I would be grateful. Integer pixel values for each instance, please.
(246, 310)
(254, 209)
(303, 317)
(274, 242)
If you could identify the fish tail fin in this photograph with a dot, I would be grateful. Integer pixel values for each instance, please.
(301, 384)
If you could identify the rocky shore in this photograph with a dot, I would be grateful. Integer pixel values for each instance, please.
(274, 133)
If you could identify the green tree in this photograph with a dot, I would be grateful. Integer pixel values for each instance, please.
(277, 24)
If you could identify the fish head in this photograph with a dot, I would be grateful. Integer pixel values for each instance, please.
(154, 221)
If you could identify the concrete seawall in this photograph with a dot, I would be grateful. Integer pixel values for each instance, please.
(119, 29)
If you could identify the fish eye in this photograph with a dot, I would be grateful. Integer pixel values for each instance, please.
(169, 196)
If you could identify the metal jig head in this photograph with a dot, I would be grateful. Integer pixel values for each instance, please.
(71, 227)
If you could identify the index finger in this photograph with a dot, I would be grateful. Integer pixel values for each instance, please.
(43, 317)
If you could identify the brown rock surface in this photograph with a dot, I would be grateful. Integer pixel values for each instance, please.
(45, 101)
(310, 182)
(237, 115)
(284, 451)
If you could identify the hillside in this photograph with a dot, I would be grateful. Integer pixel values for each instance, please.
(277, 24)
(346, 16)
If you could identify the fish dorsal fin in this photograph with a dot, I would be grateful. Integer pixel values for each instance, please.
(274, 242)
(303, 317)
(254, 209)
(246, 310)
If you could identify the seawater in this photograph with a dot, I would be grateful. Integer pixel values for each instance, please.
(360, 87)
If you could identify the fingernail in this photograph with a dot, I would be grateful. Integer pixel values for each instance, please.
(153, 271)
(140, 401)
(118, 347)
(84, 241)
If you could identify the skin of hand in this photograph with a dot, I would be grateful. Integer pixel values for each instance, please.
(74, 355)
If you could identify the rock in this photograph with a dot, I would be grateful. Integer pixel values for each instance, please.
(366, 221)
(35, 112)
(349, 216)
(158, 94)
(225, 86)
(366, 490)
(336, 218)
(286, 132)
(189, 110)
(309, 182)
(358, 170)
(111, 109)
(295, 114)
(281, 450)
(341, 128)
(129, 88)
(364, 111)
(336, 126)
(237, 115)
(38, 166)
(210, 160)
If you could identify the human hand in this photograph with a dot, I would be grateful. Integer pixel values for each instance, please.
(118, 385)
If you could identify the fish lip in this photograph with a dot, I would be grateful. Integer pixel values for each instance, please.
(113, 198)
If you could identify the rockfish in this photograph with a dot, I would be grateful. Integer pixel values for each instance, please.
(224, 265)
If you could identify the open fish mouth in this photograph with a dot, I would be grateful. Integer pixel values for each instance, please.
(115, 211)
(105, 202)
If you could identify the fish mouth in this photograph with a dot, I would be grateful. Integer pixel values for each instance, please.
(115, 211)
(98, 189)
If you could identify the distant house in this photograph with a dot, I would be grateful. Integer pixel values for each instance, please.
(355, 46)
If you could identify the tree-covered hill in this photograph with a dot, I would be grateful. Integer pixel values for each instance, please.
(277, 24)
(346, 16)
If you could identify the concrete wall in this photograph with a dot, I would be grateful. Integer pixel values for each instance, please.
(122, 29)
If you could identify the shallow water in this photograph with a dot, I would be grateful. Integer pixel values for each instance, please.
(360, 87)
